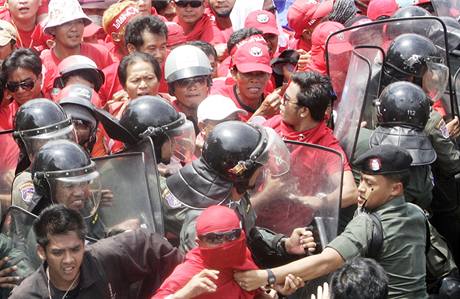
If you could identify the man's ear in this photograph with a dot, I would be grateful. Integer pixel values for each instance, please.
(41, 252)
(397, 189)
(234, 72)
(130, 48)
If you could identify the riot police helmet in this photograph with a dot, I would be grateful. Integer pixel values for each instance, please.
(63, 173)
(154, 117)
(398, 27)
(39, 121)
(415, 58)
(236, 150)
(403, 104)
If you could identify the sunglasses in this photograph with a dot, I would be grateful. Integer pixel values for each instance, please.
(219, 238)
(183, 83)
(194, 4)
(27, 85)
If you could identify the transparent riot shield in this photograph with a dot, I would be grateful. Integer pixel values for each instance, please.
(151, 171)
(17, 225)
(380, 34)
(448, 8)
(126, 203)
(308, 194)
(9, 156)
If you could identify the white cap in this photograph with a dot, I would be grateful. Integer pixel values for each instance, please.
(217, 107)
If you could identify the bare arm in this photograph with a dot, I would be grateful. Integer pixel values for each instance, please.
(349, 190)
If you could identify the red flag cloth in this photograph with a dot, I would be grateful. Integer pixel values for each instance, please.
(232, 255)
(202, 30)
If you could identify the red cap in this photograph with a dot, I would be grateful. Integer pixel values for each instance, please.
(217, 219)
(252, 57)
(305, 14)
(337, 44)
(262, 20)
(380, 8)
(176, 35)
(253, 38)
(91, 30)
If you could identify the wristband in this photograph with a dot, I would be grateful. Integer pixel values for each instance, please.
(271, 279)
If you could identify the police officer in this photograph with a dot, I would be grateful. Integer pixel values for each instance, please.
(232, 160)
(36, 122)
(384, 173)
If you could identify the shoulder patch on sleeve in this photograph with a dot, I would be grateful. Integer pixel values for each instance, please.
(171, 200)
(443, 128)
(27, 191)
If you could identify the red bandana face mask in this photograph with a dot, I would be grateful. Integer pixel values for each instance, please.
(228, 255)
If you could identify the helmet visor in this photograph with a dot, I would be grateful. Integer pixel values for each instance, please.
(34, 143)
(276, 157)
(183, 141)
(435, 79)
(81, 193)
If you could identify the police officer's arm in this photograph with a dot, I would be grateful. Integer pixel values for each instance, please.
(14, 265)
(306, 268)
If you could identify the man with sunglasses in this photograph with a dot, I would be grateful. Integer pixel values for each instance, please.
(190, 14)
(188, 73)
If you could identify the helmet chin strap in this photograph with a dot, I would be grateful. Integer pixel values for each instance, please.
(363, 207)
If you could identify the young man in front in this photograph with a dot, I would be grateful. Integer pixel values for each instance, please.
(105, 269)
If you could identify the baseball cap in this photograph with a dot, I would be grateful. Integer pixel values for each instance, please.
(252, 57)
(176, 35)
(91, 30)
(307, 14)
(337, 44)
(61, 12)
(381, 8)
(262, 20)
(7, 33)
(217, 107)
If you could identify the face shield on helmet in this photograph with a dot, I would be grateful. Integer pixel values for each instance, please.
(435, 79)
(275, 157)
(181, 137)
(34, 139)
(77, 189)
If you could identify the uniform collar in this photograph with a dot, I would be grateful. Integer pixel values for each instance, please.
(397, 201)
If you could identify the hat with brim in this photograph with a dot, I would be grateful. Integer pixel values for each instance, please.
(252, 57)
(217, 107)
(7, 33)
(61, 12)
(384, 160)
(415, 141)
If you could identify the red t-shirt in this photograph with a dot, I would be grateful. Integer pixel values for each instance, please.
(8, 148)
(203, 30)
(111, 84)
(96, 52)
(222, 33)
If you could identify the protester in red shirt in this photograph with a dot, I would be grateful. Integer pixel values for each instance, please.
(221, 250)
(220, 16)
(8, 39)
(196, 24)
(176, 35)
(251, 71)
(24, 16)
(66, 23)
(114, 22)
(265, 21)
(303, 110)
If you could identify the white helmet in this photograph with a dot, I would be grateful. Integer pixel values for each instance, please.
(186, 62)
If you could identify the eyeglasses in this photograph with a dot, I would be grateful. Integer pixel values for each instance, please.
(285, 100)
(194, 4)
(183, 83)
(26, 84)
(219, 238)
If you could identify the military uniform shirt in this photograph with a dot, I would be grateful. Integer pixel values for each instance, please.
(403, 250)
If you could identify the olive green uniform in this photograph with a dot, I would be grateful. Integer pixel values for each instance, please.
(403, 250)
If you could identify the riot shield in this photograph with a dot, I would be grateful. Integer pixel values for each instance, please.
(8, 161)
(380, 34)
(151, 171)
(17, 225)
(308, 194)
(124, 177)
(448, 8)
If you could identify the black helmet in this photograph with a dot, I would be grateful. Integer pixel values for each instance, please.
(77, 104)
(398, 27)
(62, 164)
(403, 104)
(414, 58)
(152, 116)
(235, 150)
(38, 121)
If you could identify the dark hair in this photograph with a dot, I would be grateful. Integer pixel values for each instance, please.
(58, 220)
(22, 58)
(240, 35)
(207, 48)
(402, 177)
(315, 92)
(133, 58)
(135, 28)
(359, 278)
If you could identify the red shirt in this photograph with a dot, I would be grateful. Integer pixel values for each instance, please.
(222, 33)
(96, 52)
(203, 30)
(8, 148)
(111, 84)
(228, 91)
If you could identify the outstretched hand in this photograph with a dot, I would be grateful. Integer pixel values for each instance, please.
(300, 242)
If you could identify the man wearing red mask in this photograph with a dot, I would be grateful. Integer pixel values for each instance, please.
(66, 23)
(207, 271)
(25, 16)
(196, 24)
